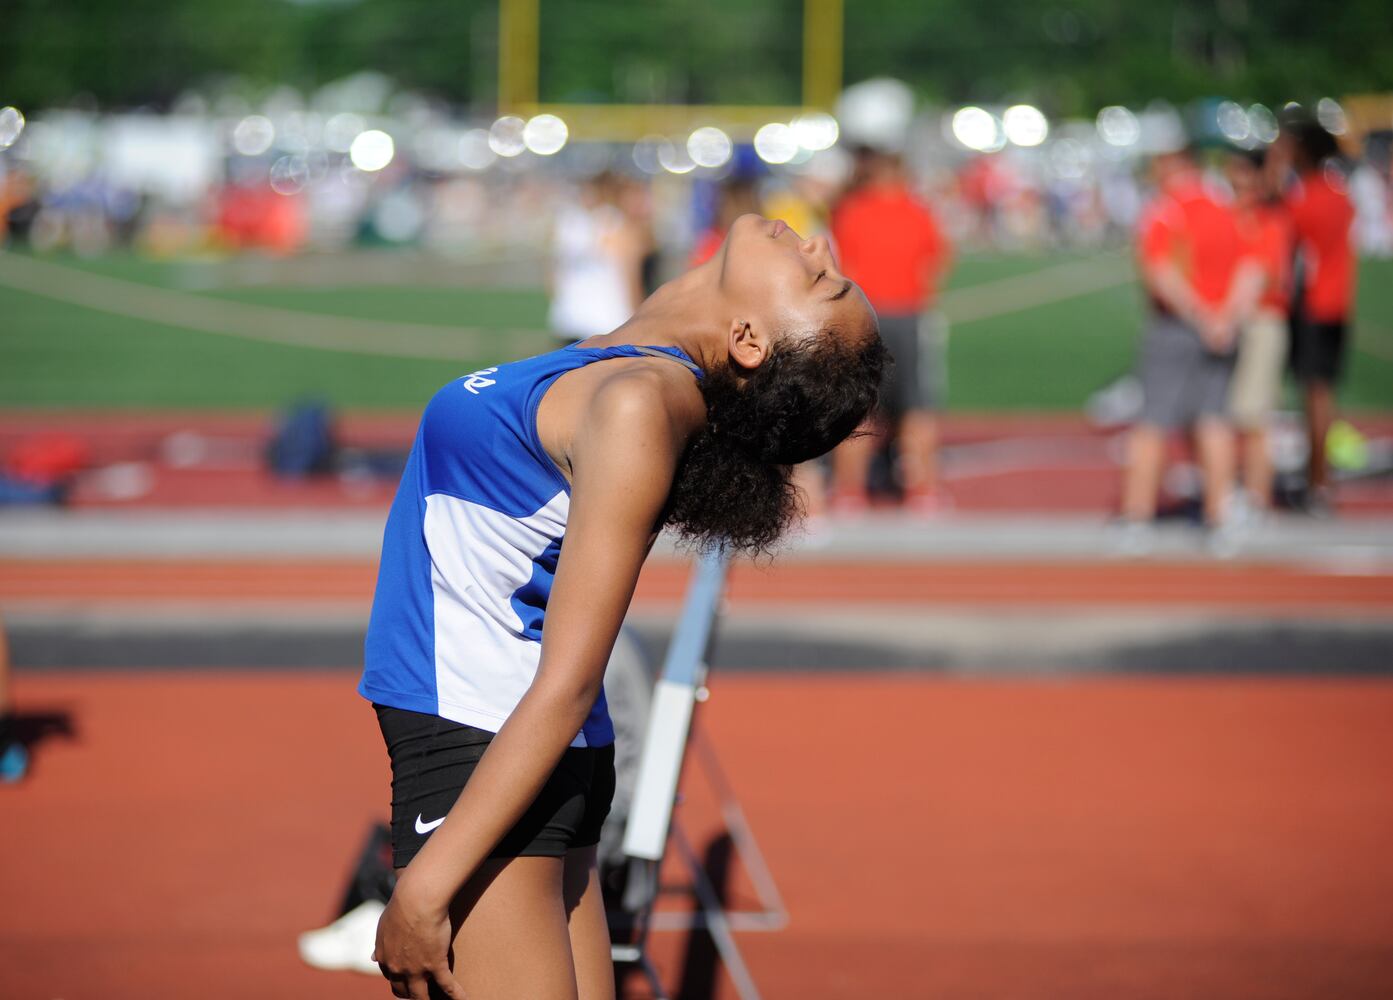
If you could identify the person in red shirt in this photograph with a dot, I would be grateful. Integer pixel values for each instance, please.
(1202, 283)
(736, 197)
(1323, 216)
(1262, 344)
(890, 244)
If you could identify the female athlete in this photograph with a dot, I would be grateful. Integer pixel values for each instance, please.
(691, 414)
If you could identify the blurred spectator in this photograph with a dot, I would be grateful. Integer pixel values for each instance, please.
(890, 244)
(14, 758)
(1374, 209)
(17, 205)
(1262, 340)
(596, 277)
(804, 200)
(736, 197)
(1323, 217)
(636, 202)
(1202, 282)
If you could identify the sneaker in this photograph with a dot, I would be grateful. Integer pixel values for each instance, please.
(1132, 539)
(1318, 504)
(1224, 541)
(926, 501)
(14, 762)
(347, 943)
(848, 503)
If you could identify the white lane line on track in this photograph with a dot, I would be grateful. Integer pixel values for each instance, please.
(252, 322)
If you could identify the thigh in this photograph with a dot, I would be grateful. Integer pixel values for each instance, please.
(1171, 357)
(589, 929)
(1257, 377)
(1210, 386)
(512, 938)
(932, 372)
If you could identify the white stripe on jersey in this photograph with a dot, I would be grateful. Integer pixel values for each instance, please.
(480, 558)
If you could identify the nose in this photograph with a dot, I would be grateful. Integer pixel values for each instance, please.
(816, 246)
(819, 248)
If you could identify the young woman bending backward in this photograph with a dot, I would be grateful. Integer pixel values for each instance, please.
(691, 414)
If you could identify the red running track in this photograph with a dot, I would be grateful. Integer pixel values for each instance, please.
(1000, 462)
(305, 583)
(934, 838)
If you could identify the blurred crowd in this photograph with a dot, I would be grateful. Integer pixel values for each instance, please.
(362, 166)
(1247, 254)
(1246, 224)
(1247, 279)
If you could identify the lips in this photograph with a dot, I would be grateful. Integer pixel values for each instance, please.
(779, 226)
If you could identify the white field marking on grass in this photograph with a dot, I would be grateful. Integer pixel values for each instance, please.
(252, 322)
(1025, 291)
(1375, 342)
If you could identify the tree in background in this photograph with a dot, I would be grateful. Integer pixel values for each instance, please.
(1069, 56)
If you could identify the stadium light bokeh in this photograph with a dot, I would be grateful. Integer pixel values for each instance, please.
(545, 134)
(11, 125)
(978, 129)
(505, 136)
(372, 150)
(1025, 125)
(776, 143)
(710, 147)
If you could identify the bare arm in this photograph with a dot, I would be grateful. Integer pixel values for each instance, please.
(1246, 288)
(1166, 282)
(623, 457)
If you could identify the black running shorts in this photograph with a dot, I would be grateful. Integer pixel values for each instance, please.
(1318, 350)
(432, 759)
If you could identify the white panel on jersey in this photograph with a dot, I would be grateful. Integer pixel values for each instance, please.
(479, 560)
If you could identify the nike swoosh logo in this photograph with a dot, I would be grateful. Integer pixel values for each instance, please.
(427, 827)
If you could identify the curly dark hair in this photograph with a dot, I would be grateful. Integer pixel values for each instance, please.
(734, 485)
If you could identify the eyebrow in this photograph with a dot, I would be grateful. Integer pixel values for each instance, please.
(845, 288)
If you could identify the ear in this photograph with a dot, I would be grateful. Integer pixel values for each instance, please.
(747, 345)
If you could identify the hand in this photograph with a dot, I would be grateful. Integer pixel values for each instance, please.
(1218, 331)
(413, 945)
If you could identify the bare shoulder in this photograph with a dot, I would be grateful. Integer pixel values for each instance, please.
(644, 404)
(649, 391)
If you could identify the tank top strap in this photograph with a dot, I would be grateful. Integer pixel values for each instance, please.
(672, 354)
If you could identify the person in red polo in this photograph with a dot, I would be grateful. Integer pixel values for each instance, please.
(1262, 343)
(890, 244)
(1323, 217)
(1202, 283)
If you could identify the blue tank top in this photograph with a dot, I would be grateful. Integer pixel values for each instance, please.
(470, 549)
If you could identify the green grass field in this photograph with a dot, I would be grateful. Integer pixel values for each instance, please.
(1036, 344)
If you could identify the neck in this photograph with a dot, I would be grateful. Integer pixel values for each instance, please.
(682, 313)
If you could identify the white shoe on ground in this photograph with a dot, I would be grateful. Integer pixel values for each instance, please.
(347, 943)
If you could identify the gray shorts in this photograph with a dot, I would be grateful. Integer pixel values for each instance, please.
(918, 378)
(1182, 380)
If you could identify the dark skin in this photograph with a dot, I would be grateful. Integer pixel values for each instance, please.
(616, 429)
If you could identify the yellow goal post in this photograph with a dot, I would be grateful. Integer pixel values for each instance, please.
(519, 43)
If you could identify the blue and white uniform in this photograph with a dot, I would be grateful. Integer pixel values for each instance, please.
(470, 550)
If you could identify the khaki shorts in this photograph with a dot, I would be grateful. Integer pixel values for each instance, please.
(1257, 380)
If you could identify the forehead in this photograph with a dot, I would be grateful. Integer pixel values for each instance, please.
(851, 316)
(853, 313)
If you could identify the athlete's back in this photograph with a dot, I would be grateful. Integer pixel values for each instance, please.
(471, 547)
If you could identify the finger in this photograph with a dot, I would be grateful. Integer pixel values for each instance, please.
(419, 984)
(447, 982)
(399, 987)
